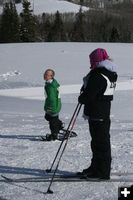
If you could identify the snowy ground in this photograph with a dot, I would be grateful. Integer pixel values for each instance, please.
(21, 119)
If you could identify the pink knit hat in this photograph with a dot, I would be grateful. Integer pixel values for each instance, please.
(97, 56)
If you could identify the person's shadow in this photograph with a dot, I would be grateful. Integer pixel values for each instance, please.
(22, 137)
(21, 170)
(29, 171)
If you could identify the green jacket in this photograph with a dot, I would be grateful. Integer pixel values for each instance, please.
(52, 104)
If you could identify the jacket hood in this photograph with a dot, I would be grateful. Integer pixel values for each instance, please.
(110, 74)
(108, 64)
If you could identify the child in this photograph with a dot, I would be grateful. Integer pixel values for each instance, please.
(97, 94)
(52, 104)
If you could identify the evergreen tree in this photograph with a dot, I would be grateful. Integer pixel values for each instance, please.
(57, 32)
(77, 33)
(114, 36)
(27, 31)
(45, 27)
(9, 27)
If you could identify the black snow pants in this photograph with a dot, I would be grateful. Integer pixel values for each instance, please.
(55, 124)
(100, 146)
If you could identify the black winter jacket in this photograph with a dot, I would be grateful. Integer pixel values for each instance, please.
(96, 103)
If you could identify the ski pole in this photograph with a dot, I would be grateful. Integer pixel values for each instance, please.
(68, 134)
(49, 170)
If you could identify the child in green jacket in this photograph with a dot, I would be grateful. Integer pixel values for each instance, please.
(52, 104)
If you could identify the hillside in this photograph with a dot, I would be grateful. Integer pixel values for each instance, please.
(51, 6)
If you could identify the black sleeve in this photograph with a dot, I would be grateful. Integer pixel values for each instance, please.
(96, 85)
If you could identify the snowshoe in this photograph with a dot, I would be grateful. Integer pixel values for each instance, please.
(48, 137)
(67, 132)
(60, 136)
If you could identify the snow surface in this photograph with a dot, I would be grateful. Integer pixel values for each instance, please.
(51, 6)
(21, 119)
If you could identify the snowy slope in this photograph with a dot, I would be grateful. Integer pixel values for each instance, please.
(65, 58)
(22, 120)
(51, 6)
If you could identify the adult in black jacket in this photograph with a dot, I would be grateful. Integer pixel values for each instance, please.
(96, 95)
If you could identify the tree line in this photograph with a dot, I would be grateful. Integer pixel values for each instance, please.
(90, 26)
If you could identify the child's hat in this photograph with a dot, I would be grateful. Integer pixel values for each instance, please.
(97, 56)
